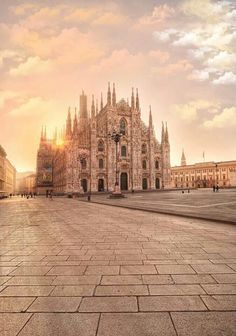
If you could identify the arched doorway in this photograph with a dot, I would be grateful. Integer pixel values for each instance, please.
(124, 181)
(84, 185)
(157, 183)
(101, 185)
(145, 183)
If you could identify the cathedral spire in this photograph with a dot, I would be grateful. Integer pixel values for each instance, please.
(101, 102)
(150, 117)
(55, 136)
(96, 106)
(75, 124)
(68, 124)
(114, 95)
(137, 100)
(41, 138)
(183, 159)
(45, 133)
(162, 134)
(109, 95)
(132, 100)
(166, 135)
(93, 107)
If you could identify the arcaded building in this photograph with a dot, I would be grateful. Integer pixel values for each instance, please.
(204, 174)
(85, 158)
(7, 175)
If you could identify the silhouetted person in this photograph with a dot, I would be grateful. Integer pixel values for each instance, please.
(214, 188)
(217, 188)
(50, 194)
(47, 193)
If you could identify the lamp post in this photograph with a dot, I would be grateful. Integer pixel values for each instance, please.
(115, 136)
(216, 182)
(82, 155)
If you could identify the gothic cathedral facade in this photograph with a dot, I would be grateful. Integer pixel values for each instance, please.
(85, 157)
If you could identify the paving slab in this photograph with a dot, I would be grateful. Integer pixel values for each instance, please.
(136, 324)
(205, 324)
(55, 304)
(109, 304)
(171, 303)
(61, 324)
(12, 323)
(16, 304)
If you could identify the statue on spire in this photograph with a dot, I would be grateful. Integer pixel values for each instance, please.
(114, 96)
(137, 100)
(183, 159)
(101, 102)
(109, 95)
(93, 107)
(132, 100)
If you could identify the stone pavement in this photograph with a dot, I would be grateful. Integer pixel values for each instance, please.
(201, 203)
(76, 268)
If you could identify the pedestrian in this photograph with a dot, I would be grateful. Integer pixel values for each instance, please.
(217, 188)
(50, 195)
(214, 188)
(47, 193)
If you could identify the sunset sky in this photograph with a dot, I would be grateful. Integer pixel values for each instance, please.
(181, 54)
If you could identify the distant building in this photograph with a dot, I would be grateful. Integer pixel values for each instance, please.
(84, 158)
(25, 182)
(204, 174)
(7, 175)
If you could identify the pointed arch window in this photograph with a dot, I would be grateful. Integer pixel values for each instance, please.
(100, 146)
(157, 164)
(144, 164)
(123, 151)
(144, 148)
(123, 126)
(101, 164)
(83, 164)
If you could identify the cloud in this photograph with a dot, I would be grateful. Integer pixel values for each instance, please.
(228, 78)
(7, 95)
(171, 69)
(223, 60)
(158, 55)
(165, 35)
(109, 19)
(159, 15)
(33, 106)
(207, 10)
(9, 54)
(226, 118)
(199, 75)
(32, 66)
(189, 112)
(23, 9)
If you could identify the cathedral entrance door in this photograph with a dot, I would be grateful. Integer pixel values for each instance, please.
(157, 183)
(100, 185)
(84, 185)
(145, 184)
(124, 181)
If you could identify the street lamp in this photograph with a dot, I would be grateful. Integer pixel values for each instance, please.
(115, 136)
(82, 155)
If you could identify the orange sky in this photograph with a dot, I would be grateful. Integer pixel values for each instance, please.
(180, 54)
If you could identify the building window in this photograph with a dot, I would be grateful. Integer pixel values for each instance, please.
(83, 164)
(123, 151)
(157, 164)
(144, 164)
(123, 126)
(144, 148)
(101, 164)
(223, 177)
(100, 146)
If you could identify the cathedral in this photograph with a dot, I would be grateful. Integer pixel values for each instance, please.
(85, 157)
